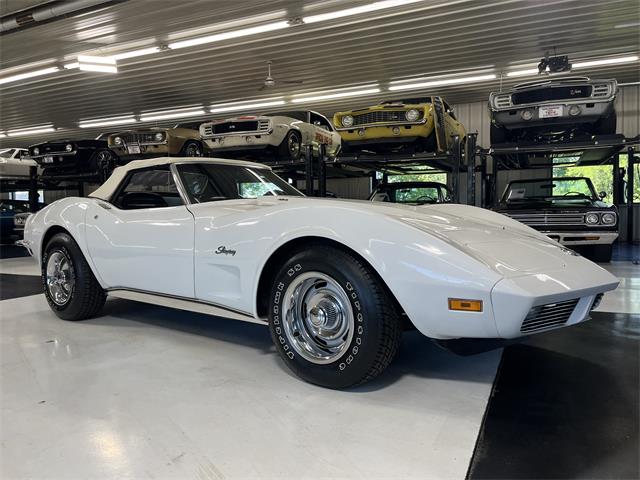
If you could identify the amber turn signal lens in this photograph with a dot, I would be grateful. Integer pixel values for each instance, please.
(464, 305)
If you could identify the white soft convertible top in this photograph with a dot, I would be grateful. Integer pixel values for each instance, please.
(106, 190)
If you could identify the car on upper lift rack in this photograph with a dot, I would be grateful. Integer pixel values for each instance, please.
(411, 125)
(282, 135)
(182, 140)
(85, 159)
(553, 110)
(565, 209)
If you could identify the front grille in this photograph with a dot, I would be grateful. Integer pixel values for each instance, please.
(381, 116)
(547, 93)
(548, 316)
(261, 126)
(542, 219)
(503, 101)
(140, 137)
(601, 90)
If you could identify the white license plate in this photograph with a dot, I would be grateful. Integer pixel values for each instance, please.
(47, 160)
(133, 149)
(550, 111)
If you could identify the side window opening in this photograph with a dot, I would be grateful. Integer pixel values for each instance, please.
(149, 188)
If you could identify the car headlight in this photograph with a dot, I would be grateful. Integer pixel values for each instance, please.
(36, 151)
(592, 218)
(609, 218)
(159, 136)
(347, 121)
(527, 115)
(117, 141)
(412, 115)
(68, 147)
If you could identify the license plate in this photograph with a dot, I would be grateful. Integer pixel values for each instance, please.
(133, 149)
(550, 111)
(47, 160)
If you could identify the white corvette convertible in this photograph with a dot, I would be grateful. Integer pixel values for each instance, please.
(334, 280)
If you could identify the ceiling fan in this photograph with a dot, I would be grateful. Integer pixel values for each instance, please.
(271, 82)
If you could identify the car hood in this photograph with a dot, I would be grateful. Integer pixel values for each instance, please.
(504, 245)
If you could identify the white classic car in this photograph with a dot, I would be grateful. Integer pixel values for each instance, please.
(284, 134)
(334, 280)
(14, 165)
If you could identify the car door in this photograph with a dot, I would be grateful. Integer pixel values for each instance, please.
(143, 239)
(324, 133)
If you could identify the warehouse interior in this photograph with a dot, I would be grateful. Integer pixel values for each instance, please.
(146, 391)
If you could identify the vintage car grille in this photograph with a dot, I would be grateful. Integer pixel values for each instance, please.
(237, 126)
(503, 101)
(140, 137)
(52, 148)
(597, 300)
(551, 93)
(381, 116)
(542, 219)
(601, 90)
(548, 316)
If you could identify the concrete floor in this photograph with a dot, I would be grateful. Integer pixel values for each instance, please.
(149, 392)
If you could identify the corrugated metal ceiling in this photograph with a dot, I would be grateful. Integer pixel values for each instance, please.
(426, 38)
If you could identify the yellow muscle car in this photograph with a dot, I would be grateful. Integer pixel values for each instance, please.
(411, 125)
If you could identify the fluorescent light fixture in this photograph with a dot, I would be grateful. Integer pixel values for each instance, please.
(606, 61)
(90, 63)
(2, 135)
(71, 66)
(35, 73)
(365, 90)
(236, 106)
(371, 7)
(31, 130)
(522, 73)
(269, 27)
(103, 122)
(136, 53)
(442, 82)
(175, 113)
(99, 60)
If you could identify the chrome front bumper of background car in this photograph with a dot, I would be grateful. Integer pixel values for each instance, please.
(583, 238)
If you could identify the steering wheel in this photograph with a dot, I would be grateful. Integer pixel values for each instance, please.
(570, 193)
(426, 199)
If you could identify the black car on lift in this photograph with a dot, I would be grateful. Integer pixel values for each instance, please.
(566, 209)
(553, 110)
(86, 159)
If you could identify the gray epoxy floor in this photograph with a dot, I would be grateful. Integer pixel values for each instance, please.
(149, 392)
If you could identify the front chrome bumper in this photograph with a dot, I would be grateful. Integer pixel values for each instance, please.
(583, 238)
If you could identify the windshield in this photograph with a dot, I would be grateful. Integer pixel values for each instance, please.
(550, 190)
(411, 194)
(211, 182)
(297, 114)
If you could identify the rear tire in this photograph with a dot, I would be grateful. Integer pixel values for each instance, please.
(192, 149)
(332, 320)
(71, 289)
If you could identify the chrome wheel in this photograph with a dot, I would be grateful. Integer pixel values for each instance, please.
(293, 144)
(60, 277)
(192, 150)
(318, 318)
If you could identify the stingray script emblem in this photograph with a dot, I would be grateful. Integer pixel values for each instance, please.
(223, 250)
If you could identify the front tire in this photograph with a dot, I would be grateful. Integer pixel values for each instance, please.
(602, 253)
(332, 320)
(291, 147)
(71, 289)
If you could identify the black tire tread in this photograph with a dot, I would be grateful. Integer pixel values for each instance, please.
(89, 297)
(386, 305)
